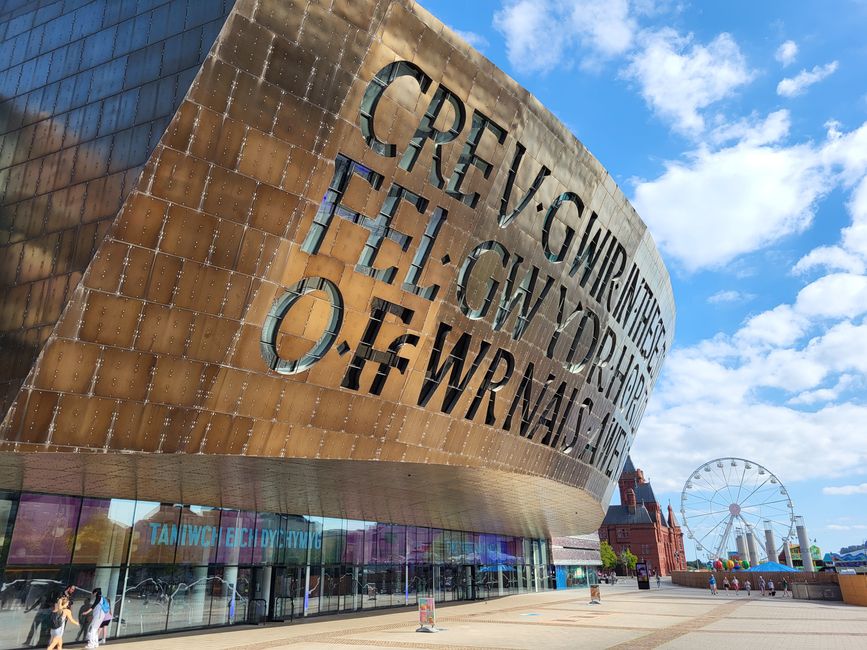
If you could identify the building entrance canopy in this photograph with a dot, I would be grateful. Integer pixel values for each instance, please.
(409, 493)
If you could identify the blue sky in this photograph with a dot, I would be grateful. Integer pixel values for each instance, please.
(739, 132)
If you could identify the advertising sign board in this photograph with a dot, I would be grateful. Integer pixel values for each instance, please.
(427, 617)
(643, 574)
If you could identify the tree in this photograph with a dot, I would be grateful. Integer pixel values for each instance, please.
(609, 557)
(628, 559)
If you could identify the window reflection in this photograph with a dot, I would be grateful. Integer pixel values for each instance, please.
(44, 529)
(171, 566)
(103, 531)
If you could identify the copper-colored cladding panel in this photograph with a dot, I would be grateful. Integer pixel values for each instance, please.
(283, 353)
(85, 94)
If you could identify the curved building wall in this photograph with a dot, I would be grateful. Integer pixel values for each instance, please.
(362, 274)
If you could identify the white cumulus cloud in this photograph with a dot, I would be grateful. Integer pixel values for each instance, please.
(786, 53)
(542, 34)
(719, 204)
(797, 85)
(845, 490)
(679, 77)
(729, 295)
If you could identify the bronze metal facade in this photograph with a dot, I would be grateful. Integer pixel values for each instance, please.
(360, 272)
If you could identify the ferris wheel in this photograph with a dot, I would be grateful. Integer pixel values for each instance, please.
(734, 499)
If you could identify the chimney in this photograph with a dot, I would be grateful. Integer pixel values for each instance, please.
(630, 500)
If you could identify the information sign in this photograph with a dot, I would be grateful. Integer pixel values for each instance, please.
(427, 617)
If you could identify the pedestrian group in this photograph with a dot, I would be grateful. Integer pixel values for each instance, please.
(767, 588)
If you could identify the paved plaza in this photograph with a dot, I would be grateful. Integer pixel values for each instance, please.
(670, 617)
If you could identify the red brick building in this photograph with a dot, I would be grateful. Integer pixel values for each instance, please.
(638, 524)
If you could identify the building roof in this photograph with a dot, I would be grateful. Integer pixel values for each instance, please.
(628, 468)
(617, 515)
(643, 492)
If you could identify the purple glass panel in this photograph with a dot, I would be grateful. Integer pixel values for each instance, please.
(237, 531)
(353, 552)
(418, 544)
(103, 531)
(371, 534)
(397, 544)
(44, 529)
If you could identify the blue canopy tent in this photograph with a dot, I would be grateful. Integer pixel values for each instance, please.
(769, 567)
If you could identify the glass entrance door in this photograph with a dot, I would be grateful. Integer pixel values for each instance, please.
(284, 588)
(260, 594)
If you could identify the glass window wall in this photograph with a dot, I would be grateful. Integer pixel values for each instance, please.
(171, 566)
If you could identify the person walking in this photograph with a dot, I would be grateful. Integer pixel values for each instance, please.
(762, 585)
(785, 587)
(59, 615)
(712, 584)
(726, 583)
(658, 581)
(747, 586)
(736, 585)
(106, 620)
(96, 616)
(771, 589)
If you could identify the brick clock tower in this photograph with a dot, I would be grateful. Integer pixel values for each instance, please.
(638, 524)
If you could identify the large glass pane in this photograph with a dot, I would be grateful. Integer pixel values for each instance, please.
(332, 540)
(313, 591)
(222, 594)
(189, 606)
(199, 535)
(371, 541)
(449, 582)
(8, 508)
(331, 588)
(242, 591)
(27, 596)
(420, 582)
(472, 548)
(452, 547)
(301, 541)
(237, 526)
(270, 538)
(44, 529)
(146, 599)
(356, 589)
(375, 577)
(288, 598)
(418, 544)
(437, 544)
(314, 540)
(397, 545)
(155, 532)
(103, 531)
(397, 584)
(353, 553)
(85, 579)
